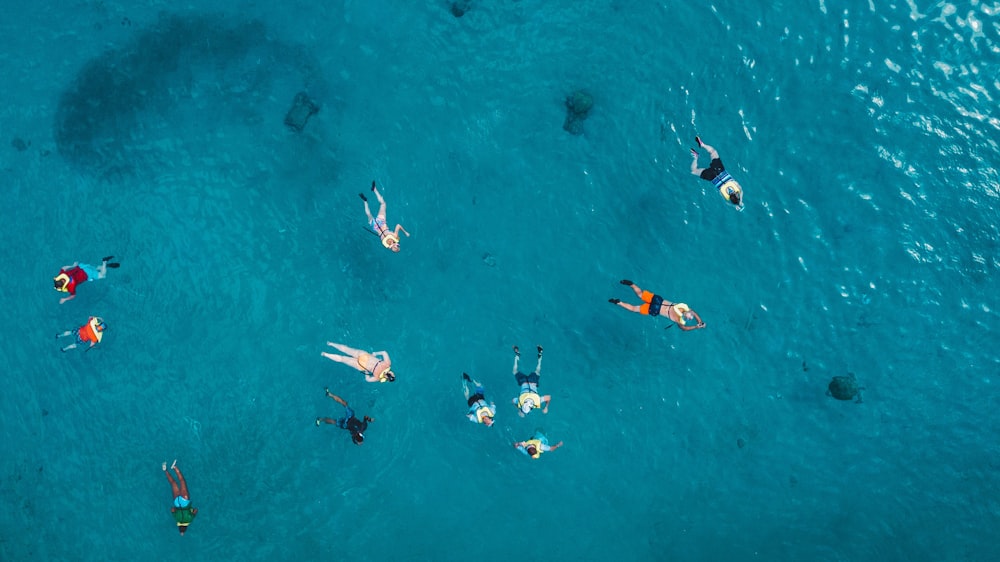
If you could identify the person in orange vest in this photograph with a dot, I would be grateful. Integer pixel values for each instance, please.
(389, 238)
(90, 333)
(72, 275)
(181, 508)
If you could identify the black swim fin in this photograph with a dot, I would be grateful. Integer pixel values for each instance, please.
(466, 377)
(108, 258)
(373, 185)
(113, 265)
(363, 198)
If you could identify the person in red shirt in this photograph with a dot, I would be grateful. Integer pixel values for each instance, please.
(72, 275)
(92, 332)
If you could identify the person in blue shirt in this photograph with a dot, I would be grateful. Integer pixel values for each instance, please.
(716, 173)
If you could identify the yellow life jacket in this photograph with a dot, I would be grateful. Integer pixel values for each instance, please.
(483, 413)
(65, 282)
(533, 396)
(538, 447)
(680, 308)
(388, 239)
(727, 185)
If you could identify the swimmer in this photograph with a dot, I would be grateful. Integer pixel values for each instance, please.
(349, 422)
(479, 412)
(390, 239)
(92, 332)
(716, 173)
(376, 366)
(182, 510)
(537, 445)
(72, 275)
(655, 305)
(529, 398)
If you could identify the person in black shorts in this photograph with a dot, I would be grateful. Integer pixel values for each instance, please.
(716, 173)
(349, 422)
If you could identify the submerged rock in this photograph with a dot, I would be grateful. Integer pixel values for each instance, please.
(302, 109)
(578, 105)
(459, 7)
(20, 144)
(845, 388)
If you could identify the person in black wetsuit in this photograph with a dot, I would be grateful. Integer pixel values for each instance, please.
(655, 305)
(716, 173)
(349, 422)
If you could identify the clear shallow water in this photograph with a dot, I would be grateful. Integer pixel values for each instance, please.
(864, 138)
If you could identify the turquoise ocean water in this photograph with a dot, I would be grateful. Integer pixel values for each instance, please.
(864, 134)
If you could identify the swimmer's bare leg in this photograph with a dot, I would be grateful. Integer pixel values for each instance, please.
(712, 153)
(174, 488)
(343, 348)
(517, 355)
(381, 202)
(635, 288)
(180, 478)
(336, 398)
(538, 366)
(368, 212)
(694, 163)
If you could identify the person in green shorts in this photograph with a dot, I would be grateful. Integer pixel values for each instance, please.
(182, 510)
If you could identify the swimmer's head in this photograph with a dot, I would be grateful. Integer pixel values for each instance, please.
(182, 529)
(358, 438)
(388, 376)
(531, 450)
(395, 247)
(733, 192)
(528, 405)
(488, 421)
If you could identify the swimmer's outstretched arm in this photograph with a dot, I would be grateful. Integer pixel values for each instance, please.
(552, 447)
(545, 400)
(384, 354)
(370, 377)
(698, 326)
(398, 228)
